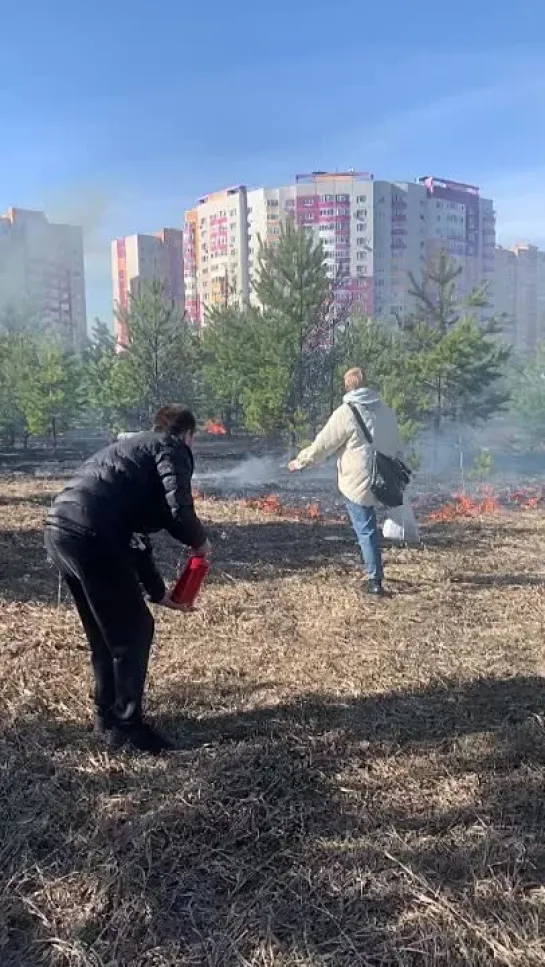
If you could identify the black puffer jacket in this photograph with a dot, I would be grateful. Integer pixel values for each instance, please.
(138, 485)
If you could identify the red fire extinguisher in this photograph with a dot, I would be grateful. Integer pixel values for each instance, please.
(189, 583)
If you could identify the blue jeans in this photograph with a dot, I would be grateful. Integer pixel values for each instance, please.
(364, 522)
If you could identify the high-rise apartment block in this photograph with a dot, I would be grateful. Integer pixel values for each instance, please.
(42, 271)
(463, 224)
(216, 252)
(334, 209)
(519, 294)
(147, 258)
(374, 234)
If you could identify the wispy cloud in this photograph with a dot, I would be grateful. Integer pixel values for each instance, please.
(429, 117)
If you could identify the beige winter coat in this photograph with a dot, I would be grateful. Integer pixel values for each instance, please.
(342, 436)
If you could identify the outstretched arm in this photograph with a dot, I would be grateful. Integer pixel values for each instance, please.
(329, 440)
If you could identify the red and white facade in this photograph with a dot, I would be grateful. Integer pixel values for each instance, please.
(147, 258)
(334, 209)
(374, 234)
(216, 252)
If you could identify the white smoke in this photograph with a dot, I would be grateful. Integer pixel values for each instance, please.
(260, 472)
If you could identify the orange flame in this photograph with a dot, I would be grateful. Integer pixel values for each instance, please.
(464, 506)
(271, 504)
(526, 498)
(216, 429)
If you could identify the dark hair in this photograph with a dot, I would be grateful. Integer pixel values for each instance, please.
(174, 418)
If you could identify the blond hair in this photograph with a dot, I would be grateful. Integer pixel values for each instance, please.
(354, 378)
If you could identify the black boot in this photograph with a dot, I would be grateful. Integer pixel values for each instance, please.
(140, 737)
(103, 722)
(374, 588)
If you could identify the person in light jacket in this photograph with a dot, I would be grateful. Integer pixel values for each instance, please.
(342, 436)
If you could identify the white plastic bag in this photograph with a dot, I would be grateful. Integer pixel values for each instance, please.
(400, 525)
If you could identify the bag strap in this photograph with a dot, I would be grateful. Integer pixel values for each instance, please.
(361, 423)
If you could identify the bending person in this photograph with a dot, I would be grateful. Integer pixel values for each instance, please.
(136, 486)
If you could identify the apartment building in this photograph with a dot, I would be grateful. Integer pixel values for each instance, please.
(147, 258)
(463, 224)
(374, 233)
(336, 209)
(504, 291)
(42, 271)
(216, 268)
(519, 294)
(399, 245)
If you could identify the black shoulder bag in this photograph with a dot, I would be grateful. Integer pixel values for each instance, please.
(389, 476)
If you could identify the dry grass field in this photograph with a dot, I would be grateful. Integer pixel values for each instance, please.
(357, 782)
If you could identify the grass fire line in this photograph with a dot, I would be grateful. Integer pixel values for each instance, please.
(264, 484)
(486, 502)
(291, 503)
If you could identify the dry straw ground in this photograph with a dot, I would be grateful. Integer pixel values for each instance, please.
(359, 783)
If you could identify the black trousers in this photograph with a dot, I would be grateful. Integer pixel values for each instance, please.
(117, 622)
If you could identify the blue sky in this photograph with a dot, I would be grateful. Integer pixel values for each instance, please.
(117, 116)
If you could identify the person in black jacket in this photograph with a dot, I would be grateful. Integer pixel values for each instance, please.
(132, 488)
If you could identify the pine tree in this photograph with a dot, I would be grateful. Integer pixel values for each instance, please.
(109, 391)
(296, 297)
(162, 352)
(52, 398)
(381, 352)
(227, 364)
(527, 383)
(458, 361)
(19, 337)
